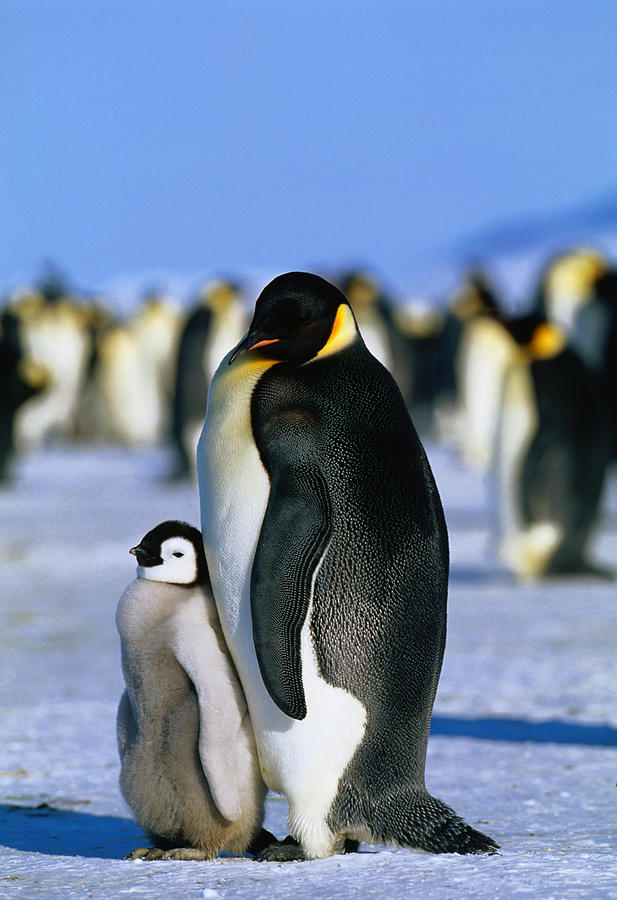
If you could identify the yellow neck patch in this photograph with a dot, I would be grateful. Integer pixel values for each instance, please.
(548, 340)
(248, 363)
(344, 331)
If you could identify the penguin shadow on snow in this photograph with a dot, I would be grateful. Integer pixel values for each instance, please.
(495, 574)
(480, 575)
(64, 832)
(524, 730)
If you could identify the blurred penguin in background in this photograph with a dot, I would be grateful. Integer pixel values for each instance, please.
(134, 372)
(21, 379)
(475, 350)
(567, 284)
(377, 321)
(92, 420)
(214, 325)
(420, 326)
(52, 333)
(372, 314)
(475, 297)
(551, 454)
(595, 338)
(578, 292)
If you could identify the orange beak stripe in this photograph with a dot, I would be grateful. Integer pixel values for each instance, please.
(264, 343)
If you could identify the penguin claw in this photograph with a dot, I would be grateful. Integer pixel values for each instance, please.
(480, 843)
(261, 841)
(470, 841)
(145, 853)
(186, 853)
(150, 854)
(288, 850)
(351, 846)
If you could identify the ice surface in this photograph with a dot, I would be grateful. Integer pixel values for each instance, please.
(524, 741)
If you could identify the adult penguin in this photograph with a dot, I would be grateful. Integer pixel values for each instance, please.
(377, 319)
(327, 549)
(567, 285)
(210, 329)
(21, 378)
(53, 334)
(552, 450)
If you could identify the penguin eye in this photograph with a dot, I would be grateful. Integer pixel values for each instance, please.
(177, 553)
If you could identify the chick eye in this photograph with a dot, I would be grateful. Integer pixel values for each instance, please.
(177, 553)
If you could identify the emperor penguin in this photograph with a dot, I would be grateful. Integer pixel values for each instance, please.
(327, 549)
(476, 349)
(189, 768)
(372, 313)
(567, 286)
(135, 363)
(21, 378)
(211, 328)
(53, 335)
(552, 450)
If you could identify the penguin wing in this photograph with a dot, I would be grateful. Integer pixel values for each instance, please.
(222, 707)
(293, 539)
(220, 722)
(126, 728)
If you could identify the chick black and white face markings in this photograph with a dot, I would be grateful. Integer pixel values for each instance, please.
(294, 318)
(172, 552)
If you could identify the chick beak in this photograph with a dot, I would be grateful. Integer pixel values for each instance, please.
(143, 557)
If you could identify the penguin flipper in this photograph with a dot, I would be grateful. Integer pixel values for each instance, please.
(293, 539)
(222, 710)
(126, 727)
(219, 730)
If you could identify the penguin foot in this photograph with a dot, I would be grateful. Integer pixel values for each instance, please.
(288, 850)
(464, 840)
(422, 822)
(186, 853)
(260, 842)
(351, 846)
(150, 854)
(146, 853)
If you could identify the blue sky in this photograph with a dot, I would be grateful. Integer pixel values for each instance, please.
(198, 136)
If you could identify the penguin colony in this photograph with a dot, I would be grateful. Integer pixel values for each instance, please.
(471, 374)
(321, 595)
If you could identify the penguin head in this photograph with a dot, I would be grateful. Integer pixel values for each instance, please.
(297, 317)
(172, 552)
(361, 290)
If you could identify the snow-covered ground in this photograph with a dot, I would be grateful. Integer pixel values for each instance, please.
(524, 738)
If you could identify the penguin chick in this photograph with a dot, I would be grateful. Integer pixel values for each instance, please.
(189, 768)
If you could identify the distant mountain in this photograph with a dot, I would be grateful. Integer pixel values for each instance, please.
(515, 251)
(574, 223)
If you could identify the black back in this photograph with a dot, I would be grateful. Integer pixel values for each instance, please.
(564, 468)
(14, 388)
(343, 455)
(191, 383)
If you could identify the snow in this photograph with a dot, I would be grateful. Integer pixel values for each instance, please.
(524, 733)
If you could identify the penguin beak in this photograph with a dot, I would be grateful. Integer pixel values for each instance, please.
(251, 342)
(143, 557)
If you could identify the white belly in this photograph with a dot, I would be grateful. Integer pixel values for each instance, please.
(302, 759)
(526, 550)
